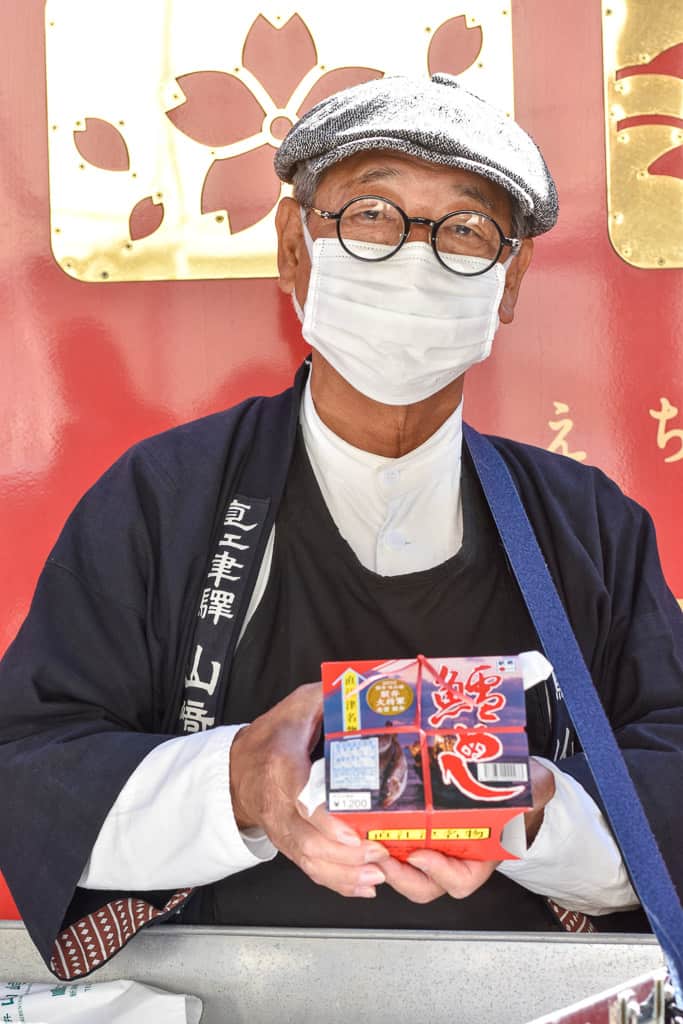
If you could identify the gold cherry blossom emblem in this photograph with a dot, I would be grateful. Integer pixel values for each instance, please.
(164, 117)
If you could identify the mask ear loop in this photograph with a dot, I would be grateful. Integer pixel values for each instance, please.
(506, 263)
(297, 307)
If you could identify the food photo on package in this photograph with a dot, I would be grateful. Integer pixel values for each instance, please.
(430, 752)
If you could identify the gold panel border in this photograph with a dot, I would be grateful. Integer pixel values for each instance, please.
(645, 210)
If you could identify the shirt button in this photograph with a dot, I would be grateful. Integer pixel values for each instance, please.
(390, 476)
(395, 540)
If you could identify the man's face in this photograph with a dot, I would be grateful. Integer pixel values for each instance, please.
(421, 189)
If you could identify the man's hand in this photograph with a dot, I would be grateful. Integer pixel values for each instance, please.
(430, 874)
(269, 766)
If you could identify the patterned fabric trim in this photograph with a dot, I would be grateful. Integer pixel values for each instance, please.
(87, 944)
(571, 920)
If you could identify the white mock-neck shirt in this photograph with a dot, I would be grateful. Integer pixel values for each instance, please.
(398, 515)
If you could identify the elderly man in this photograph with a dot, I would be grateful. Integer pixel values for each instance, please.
(208, 574)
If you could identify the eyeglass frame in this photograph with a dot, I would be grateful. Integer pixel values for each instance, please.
(515, 244)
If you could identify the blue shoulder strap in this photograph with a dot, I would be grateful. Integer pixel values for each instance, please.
(624, 810)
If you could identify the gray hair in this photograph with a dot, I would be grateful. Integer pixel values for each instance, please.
(305, 183)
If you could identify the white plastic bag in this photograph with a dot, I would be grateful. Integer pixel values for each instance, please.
(108, 1002)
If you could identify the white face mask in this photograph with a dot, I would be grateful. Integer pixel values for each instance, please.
(398, 330)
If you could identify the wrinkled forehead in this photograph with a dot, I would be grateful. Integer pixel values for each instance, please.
(407, 179)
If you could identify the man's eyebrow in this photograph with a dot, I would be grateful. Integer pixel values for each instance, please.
(473, 192)
(374, 174)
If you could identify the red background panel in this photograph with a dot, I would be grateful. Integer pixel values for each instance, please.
(89, 369)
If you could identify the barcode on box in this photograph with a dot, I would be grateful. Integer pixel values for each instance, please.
(502, 772)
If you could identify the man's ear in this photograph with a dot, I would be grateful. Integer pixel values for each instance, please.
(513, 280)
(290, 242)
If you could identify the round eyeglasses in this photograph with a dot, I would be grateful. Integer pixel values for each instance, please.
(466, 242)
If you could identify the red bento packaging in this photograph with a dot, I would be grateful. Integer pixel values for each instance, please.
(430, 752)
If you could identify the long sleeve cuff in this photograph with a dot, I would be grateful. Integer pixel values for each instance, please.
(173, 824)
(574, 858)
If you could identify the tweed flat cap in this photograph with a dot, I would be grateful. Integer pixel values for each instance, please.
(434, 119)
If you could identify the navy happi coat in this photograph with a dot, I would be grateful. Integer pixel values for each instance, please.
(94, 680)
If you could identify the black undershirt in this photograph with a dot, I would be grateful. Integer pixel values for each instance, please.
(321, 604)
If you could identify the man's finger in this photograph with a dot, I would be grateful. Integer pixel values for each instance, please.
(410, 881)
(347, 881)
(341, 868)
(459, 878)
(339, 832)
(301, 839)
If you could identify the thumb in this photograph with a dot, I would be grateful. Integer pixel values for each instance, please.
(307, 710)
(333, 828)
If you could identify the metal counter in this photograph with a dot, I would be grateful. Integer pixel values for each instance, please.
(279, 975)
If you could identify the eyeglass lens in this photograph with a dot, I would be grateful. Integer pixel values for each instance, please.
(371, 228)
